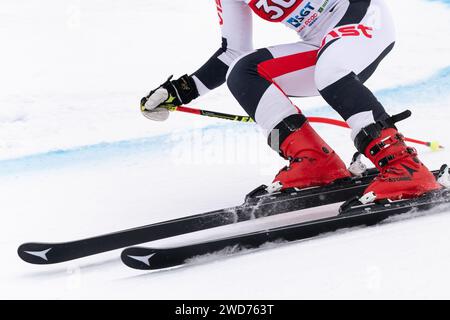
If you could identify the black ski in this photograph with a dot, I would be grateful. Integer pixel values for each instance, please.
(257, 204)
(358, 215)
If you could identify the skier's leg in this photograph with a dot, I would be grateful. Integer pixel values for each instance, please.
(261, 82)
(349, 55)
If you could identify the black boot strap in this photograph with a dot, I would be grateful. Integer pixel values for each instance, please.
(390, 158)
(387, 142)
(283, 130)
(373, 131)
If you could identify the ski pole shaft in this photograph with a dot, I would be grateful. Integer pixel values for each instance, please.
(212, 114)
(433, 145)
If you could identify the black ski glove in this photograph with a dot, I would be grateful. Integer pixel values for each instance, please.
(169, 95)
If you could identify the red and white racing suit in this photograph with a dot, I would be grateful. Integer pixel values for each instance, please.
(342, 43)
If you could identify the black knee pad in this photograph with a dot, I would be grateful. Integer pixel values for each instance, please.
(246, 84)
(348, 96)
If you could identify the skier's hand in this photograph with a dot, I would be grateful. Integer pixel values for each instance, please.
(171, 94)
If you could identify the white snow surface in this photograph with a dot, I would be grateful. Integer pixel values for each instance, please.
(77, 158)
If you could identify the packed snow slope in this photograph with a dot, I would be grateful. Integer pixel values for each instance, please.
(77, 158)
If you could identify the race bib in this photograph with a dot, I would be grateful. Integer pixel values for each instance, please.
(274, 10)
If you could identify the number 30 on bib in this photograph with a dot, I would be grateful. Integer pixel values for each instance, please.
(274, 10)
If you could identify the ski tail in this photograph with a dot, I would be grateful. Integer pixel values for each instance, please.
(36, 253)
(138, 257)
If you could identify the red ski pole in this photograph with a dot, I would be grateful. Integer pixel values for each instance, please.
(433, 145)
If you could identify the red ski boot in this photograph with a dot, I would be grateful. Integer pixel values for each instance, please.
(312, 162)
(402, 175)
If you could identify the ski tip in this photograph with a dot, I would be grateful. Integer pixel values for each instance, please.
(35, 253)
(138, 258)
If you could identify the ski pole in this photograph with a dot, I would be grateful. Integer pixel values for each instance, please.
(433, 145)
(212, 114)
